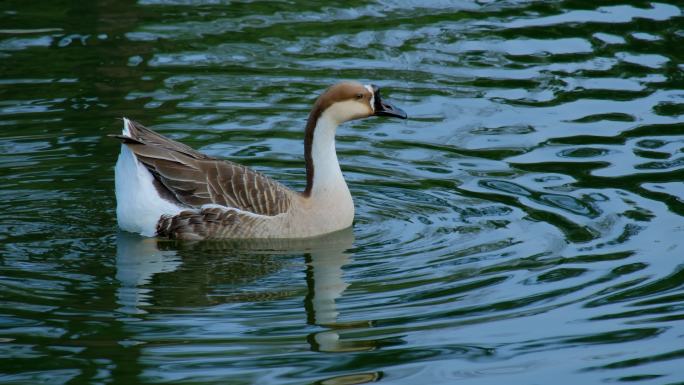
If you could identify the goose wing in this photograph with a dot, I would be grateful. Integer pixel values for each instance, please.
(194, 179)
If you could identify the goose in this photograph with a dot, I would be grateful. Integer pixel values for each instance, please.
(167, 189)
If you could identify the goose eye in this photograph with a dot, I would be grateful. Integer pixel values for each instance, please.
(359, 96)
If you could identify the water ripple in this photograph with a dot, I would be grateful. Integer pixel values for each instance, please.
(523, 226)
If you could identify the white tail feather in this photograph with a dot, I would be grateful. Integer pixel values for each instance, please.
(138, 204)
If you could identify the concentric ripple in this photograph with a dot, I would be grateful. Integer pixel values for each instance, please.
(525, 224)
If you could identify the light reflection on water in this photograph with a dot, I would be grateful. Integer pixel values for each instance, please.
(523, 226)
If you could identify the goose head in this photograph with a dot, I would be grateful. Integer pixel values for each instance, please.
(338, 104)
(351, 100)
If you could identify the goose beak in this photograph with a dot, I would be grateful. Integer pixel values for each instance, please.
(383, 108)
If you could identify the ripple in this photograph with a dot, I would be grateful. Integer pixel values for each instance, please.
(609, 38)
(524, 46)
(646, 60)
(608, 14)
(615, 160)
(21, 43)
(583, 152)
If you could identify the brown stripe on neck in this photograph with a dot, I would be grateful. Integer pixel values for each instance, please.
(308, 145)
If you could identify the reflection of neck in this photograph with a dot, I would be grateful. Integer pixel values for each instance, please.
(325, 284)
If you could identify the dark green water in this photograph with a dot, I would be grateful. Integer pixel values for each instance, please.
(525, 226)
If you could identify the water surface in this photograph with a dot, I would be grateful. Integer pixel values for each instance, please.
(524, 226)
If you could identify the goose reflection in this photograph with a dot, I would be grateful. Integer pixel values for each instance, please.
(137, 261)
(326, 284)
(190, 272)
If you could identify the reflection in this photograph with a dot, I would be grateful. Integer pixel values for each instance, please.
(137, 260)
(350, 379)
(169, 274)
(325, 283)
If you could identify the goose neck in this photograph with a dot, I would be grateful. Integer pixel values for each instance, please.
(324, 175)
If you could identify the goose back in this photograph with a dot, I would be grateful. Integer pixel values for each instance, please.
(193, 179)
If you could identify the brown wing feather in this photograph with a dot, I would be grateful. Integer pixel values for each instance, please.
(195, 179)
(144, 135)
(205, 224)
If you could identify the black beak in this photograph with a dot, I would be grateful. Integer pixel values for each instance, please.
(384, 108)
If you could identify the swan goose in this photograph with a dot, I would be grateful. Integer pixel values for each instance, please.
(166, 189)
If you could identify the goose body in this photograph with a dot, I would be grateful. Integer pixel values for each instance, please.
(165, 188)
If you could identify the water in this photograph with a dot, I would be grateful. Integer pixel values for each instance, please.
(524, 226)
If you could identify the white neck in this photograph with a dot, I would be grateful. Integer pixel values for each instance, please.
(327, 179)
(328, 200)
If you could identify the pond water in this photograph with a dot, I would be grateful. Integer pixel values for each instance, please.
(525, 225)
